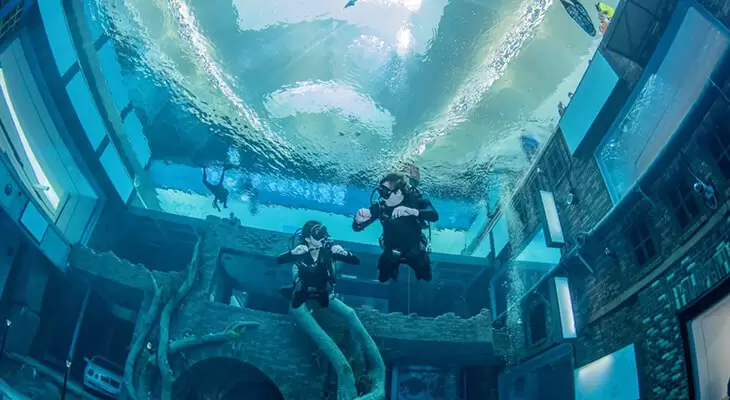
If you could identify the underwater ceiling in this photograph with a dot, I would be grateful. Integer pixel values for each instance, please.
(341, 92)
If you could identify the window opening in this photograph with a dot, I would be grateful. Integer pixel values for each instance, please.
(643, 245)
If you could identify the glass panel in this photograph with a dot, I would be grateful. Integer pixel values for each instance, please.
(33, 221)
(133, 129)
(59, 36)
(500, 233)
(613, 377)
(664, 101)
(588, 100)
(83, 103)
(117, 172)
(42, 183)
(113, 75)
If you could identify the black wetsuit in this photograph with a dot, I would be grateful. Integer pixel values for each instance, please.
(405, 235)
(315, 278)
(220, 193)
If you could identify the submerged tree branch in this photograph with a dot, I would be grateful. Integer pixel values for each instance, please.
(230, 332)
(163, 362)
(346, 389)
(149, 320)
(372, 353)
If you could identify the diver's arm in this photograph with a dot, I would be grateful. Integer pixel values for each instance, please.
(426, 212)
(374, 215)
(286, 258)
(340, 254)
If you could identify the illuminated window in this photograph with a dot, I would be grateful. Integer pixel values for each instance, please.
(41, 182)
(683, 203)
(719, 146)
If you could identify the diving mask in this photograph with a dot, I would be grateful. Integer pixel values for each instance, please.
(384, 192)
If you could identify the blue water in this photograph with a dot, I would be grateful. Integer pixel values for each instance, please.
(312, 90)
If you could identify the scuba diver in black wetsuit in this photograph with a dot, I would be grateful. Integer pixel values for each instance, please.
(220, 194)
(314, 270)
(404, 213)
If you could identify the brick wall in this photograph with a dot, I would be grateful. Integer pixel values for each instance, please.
(278, 347)
(621, 302)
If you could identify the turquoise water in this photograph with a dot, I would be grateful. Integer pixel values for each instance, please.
(310, 90)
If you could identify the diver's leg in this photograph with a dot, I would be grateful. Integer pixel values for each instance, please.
(387, 266)
(420, 262)
(205, 180)
(223, 176)
(345, 379)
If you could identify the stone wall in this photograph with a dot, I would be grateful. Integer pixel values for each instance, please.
(623, 301)
(277, 346)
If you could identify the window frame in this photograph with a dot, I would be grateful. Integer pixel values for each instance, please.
(710, 141)
(629, 225)
(532, 308)
(556, 151)
(672, 189)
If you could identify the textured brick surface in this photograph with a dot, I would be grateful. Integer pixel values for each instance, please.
(278, 347)
(621, 302)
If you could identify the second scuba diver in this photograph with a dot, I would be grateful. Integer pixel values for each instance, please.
(403, 213)
(314, 264)
(220, 193)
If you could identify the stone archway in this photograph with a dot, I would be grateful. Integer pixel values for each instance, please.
(224, 378)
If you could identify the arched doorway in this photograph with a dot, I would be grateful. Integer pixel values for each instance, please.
(224, 378)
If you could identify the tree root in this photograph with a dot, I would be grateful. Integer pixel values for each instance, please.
(346, 389)
(163, 362)
(372, 353)
(231, 332)
(139, 343)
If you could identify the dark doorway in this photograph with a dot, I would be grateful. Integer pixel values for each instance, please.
(225, 379)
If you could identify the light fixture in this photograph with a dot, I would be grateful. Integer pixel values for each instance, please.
(571, 199)
(565, 307)
(551, 220)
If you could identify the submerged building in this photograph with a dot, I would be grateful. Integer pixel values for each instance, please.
(603, 274)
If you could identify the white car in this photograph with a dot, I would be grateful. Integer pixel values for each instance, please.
(103, 376)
